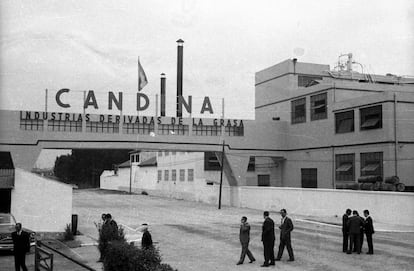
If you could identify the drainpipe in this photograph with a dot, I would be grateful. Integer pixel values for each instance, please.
(333, 168)
(395, 137)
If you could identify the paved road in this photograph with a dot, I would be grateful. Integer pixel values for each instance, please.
(196, 236)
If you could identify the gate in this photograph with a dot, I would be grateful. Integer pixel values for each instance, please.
(43, 258)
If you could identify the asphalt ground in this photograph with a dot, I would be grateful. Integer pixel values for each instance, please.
(197, 236)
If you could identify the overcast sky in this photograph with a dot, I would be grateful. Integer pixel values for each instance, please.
(85, 45)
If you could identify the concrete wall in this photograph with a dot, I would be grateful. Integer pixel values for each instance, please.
(383, 206)
(41, 204)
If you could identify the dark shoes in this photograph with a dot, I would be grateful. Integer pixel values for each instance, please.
(239, 263)
(370, 253)
(265, 265)
(277, 259)
(252, 261)
(291, 260)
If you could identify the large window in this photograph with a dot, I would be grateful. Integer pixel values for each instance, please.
(345, 167)
(234, 130)
(172, 129)
(308, 80)
(211, 161)
(182, 175)
(64, 126)
(32, 124)
(319, 106)
(159, 177)
(344, 122)
(207, 130)
(173, 175)
(137, 128)
(166, 175)
(102, 127)
(298, 110)
(190, 174)
(371, 164)
(371, 117)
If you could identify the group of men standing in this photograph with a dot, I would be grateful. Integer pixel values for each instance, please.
(268, 239)
(353, 229)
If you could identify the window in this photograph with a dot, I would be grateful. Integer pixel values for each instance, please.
(371, 164)
(345, 167)
(211, 161)
(371, 117)
(234, 130)
(64, 126)
(318, 107)
(137, 128)
(173, 175)
(182, 175)
(134, 158)
(32, 124)
(207, 130)
(309, 177)
(173, 153)
(167, 153)
(344, 122)
(159, 153)
(298, 108)
(172, 129)
(307, 80)
(252, 164)
(159, 177)
(190, 174)
(166, 175)
(263, 180)
(102, 127)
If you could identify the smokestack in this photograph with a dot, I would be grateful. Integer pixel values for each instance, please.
(180, 43)
(162, 95)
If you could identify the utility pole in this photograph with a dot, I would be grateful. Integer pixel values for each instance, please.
(221, 175)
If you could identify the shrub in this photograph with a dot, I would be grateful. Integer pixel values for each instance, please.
(108, 235)
(144, 193)
(68, 234)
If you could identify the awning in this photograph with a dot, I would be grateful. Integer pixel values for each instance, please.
(344, 167)
(370, 167)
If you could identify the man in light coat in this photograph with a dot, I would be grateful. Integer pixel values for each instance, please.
(244, 240)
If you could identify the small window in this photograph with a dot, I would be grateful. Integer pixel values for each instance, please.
(159, 177)
(371, 164)
(298, 108)
(173, 153)
(159, 153)
(211, 161)
(166, 175)
(371, 117)
(309, 177)
(344, 122)
(252, 164)
(307, 80)
(319, 107)
(182, 175)
(190, 175)
(263, 180)
(166, 153)
(345, 167)
(173, 175)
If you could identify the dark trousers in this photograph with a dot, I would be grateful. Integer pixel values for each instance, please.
(369, 241)
(345, 241)
(285, 242)
(20, 261)
(269, 254)
(246, 251)
(355, 242)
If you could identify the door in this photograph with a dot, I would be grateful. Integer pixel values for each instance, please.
(5, 200)
(309, 177)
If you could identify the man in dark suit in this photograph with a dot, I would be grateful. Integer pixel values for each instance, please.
(345, 229)
(354, 225)
(244, 236)
(286, 226)
(369, 231)
(268, 239)
(21, 245)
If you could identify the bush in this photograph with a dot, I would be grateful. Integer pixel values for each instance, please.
(122, 256)
(144, 193)
(108, 235)
(68, 234)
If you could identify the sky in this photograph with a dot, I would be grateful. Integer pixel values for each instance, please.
(94, 45)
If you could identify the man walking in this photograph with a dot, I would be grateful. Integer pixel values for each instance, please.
(268, 239)
(354, 225)
(146, 240)
(369, 231)
(286, 226)
(345, 229)
(244, 240)
(21, 245)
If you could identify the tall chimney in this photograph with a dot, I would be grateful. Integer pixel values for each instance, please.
(180, 43)
(162, 95)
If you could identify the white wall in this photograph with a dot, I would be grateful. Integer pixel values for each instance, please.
(41, 204)
(383, 206)
(110, 181)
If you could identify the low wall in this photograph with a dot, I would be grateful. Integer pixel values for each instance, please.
(385, 207)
